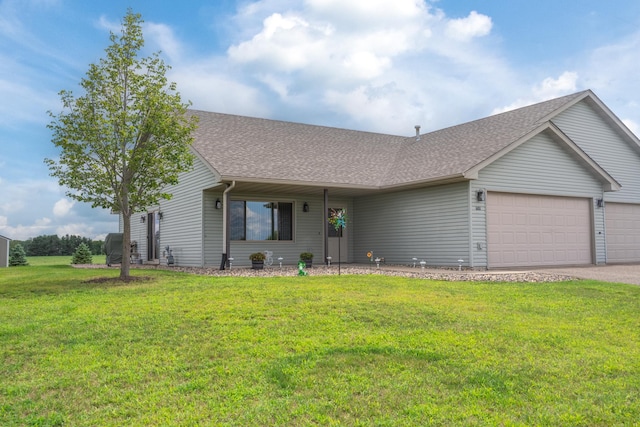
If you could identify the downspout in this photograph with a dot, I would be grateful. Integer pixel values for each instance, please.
(225, 225)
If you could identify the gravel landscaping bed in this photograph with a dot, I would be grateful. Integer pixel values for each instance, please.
(431, 274)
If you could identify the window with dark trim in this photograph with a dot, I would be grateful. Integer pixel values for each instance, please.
(259, 220)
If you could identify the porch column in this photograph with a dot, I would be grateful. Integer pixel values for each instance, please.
(325, 225)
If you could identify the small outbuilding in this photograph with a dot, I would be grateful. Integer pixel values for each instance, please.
(4, 251)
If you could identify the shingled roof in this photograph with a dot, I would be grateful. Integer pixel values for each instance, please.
(246, 148)
(455, 150)
(240, 147)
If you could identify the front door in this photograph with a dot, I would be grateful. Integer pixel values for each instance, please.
(337, 241)
(153, 236)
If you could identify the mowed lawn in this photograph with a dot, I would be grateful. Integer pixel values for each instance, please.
(179, 349)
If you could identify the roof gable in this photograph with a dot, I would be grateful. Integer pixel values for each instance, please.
(572, 148)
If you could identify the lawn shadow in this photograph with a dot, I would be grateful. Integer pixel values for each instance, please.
(290, 373)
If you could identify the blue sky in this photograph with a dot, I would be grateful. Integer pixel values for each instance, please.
(375, 65)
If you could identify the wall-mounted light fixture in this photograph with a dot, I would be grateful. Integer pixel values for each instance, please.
(305, 207)
(600, 203)
(218, 204)
(161, 215)
(480, 195)
(143, 218)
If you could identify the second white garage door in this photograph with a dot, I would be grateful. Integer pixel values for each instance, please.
(623, 232)
(530, 230)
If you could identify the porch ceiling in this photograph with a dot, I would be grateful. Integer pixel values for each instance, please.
(296, 189)
(336, 191)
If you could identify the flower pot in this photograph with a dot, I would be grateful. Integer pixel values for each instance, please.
(308, 262)
(257, 265)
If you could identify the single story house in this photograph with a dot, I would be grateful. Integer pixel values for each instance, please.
(555, 183)
(4, 251)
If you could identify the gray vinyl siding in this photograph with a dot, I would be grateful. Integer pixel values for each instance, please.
(478, 214)
(182, 225)
(607, 147)
(212, 228)
(308, 233)
(430, 224)
(539, 166)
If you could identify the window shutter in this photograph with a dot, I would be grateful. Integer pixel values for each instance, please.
(285, 221)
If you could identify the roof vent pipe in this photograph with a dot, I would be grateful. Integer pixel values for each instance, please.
(417, 132)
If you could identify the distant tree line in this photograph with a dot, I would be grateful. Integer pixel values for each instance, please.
(53, 245)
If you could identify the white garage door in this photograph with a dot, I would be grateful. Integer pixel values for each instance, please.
(623, 232)
(530, 230)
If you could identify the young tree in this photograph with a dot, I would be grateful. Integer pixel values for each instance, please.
(127, 137)
(82, 255)
(17, 256)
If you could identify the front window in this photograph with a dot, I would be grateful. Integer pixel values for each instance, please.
(259, 220)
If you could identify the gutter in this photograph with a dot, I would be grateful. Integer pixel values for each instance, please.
(225, 225)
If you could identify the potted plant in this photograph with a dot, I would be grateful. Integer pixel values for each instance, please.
(307, 257)
(257, 260)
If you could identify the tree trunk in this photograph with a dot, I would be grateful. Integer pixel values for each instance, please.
(126, 247)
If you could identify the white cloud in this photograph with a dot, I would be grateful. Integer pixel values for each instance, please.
(549, 88)
(72, 229)
(474, 25)
(552, 88)
(162, 36)
(20, 212)
(286, 43)
(24, 232)
(62, 207)
(357, 14)
(316, 42)
(366, 65)
(374, 65)
(42, 222)
(21, 195)
(112, 26)
(209, 89)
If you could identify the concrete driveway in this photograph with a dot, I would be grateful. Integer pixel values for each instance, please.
(627, 273)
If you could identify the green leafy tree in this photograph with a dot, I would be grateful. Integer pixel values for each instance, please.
(97, 247)
(48, 245)
(128, 137)
(17, 256)
(82, 255)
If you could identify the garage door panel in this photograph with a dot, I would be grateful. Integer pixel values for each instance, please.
(532, 230)
(623, 232)
(547, 256)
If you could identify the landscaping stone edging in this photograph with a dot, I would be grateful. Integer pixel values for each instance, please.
(431, 274)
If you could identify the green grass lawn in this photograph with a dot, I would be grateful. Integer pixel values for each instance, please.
(178, 349)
